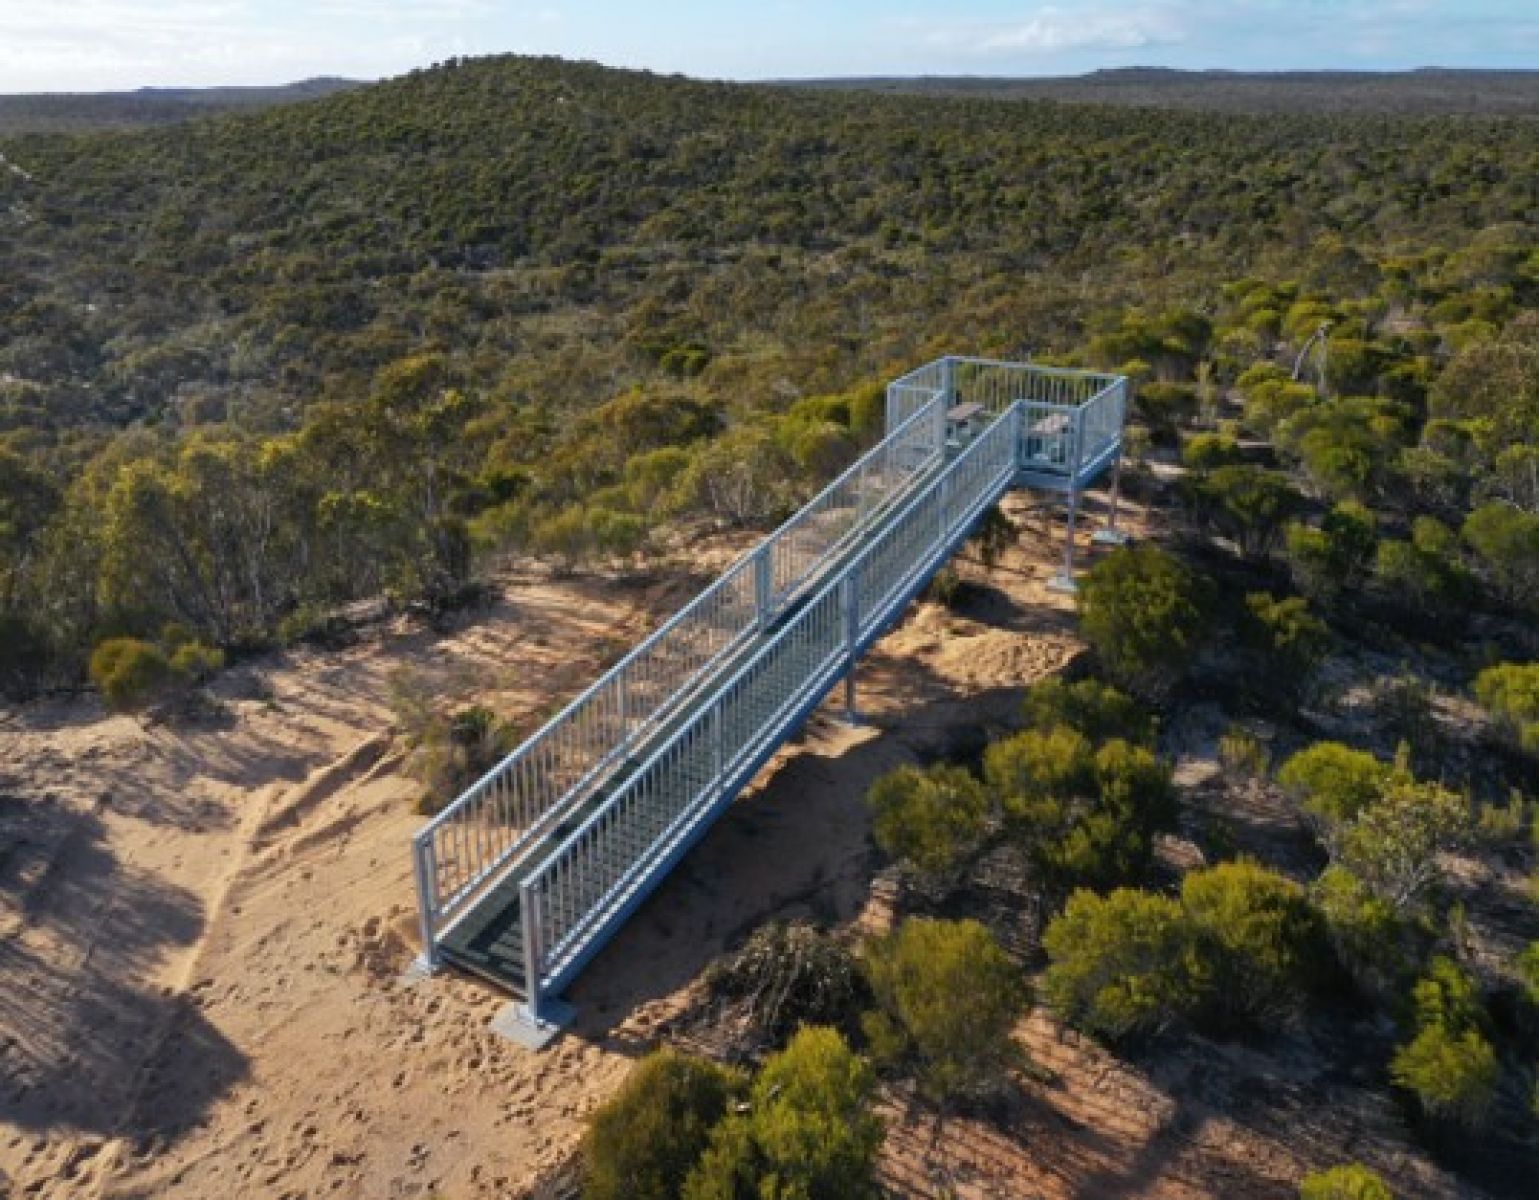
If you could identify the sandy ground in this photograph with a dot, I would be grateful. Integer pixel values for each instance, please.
(203, 929)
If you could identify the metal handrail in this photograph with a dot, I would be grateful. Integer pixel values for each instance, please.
(486, 852)
(710, 710)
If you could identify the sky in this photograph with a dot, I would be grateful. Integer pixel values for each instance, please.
(101, 45)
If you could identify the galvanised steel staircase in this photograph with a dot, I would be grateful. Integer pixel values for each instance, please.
(534, 868)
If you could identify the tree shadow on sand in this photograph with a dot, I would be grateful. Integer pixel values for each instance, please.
(81, 1025)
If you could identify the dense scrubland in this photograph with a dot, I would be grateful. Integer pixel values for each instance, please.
(261, 367)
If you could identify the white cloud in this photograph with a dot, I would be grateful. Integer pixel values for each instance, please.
(1050, 29)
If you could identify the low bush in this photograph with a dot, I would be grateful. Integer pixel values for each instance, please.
(1145, 615)
(642, 1144)
(1089, 707)
(1333, 781)
(807, 1131)
(1349, 1182)
(948, 997)
(932, 819)
(1259, 938)
(1121, 965)
(1448, 1065)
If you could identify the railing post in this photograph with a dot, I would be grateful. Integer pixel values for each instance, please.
(530, 926)
(763, 583)
(850, 596)
(948, 381)
(424, 869)
(718, 737)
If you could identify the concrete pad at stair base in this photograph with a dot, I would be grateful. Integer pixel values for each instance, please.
(515, 1022)
(1063, 584)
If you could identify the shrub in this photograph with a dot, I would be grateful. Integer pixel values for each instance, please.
(1243, 754)
(1249, 506)
(1205, 451)
(948, 999)
(791, 975)
(1259, 937)
(1452, 1074)
(1121, 965)
(1350, 1182)
(1394, 843)
(1449, 1065)
(934, 819)
(131, 674)
(1335, 556)
(1144, 614)
(1423, 575)
(1526, 966)
(451, 752)
(1083, 817)
(1510, 693)
(1290, 641)
(1095, 709)
(946, 588)
(1507, 541)
(808, 1132)
(1333, 781)
(1375, 944)
(642, 1144)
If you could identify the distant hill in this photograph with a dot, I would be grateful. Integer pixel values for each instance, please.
(1430, 92)
(81, 111)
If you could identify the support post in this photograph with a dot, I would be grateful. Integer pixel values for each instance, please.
(429, 960)
(539, 1020)
(1064, 580)
(851, 600)
(1111, 535)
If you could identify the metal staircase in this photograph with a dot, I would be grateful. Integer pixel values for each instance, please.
(534, 868)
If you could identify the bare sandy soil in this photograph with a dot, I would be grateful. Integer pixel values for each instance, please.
(203, 930)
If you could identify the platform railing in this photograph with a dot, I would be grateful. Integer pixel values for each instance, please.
(519, 800)
(590, 882)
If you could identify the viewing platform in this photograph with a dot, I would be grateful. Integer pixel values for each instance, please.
(530, 872)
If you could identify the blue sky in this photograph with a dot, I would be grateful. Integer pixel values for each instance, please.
(93, 45)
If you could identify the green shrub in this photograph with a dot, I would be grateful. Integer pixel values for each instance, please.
(1333, 781)
(1290, 641)
(1394, 843)
(1261, 941)
(1144, 613)
(451, 752)
(1448, 1064)
(1424, 575)
(808, 1132)
(1243, 754)
(643, 1142)
(1452, 1074)
(934, 819)
(1206, 451)
(1350, 1182)
(946, 588)
(1336, 556)
(948, 998)
(1507, 541)
(130, 673)
(1526, 966)
(1084, 817)
(1095, 709)
(1376, 945)
(1510, 693)
(1121, 965)
(193, 662)
(1249, 506)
